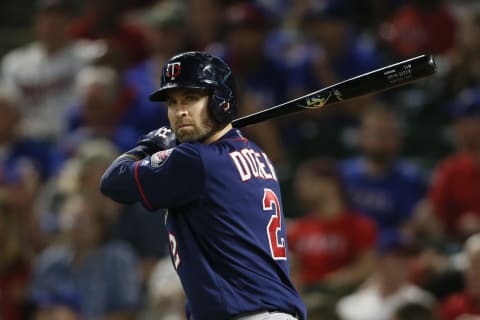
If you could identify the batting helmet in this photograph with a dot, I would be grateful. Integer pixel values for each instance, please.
(200, 70)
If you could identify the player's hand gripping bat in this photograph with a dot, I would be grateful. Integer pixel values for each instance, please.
(385, 78)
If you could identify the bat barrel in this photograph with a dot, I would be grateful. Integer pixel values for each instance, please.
(389, 77)
(375, 81)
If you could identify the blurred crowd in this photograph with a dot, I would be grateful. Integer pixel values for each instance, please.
(382, 193)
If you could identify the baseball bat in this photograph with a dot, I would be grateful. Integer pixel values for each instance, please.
(391, 76)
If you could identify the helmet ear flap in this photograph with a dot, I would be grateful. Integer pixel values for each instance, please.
(220, 108)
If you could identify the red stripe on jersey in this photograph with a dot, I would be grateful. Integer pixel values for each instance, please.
(142, 194)
(244, 140)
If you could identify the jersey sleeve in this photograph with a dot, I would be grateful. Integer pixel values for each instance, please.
(167, 179)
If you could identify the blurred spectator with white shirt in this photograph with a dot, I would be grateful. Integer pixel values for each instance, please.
(389, 286)
(44, 70)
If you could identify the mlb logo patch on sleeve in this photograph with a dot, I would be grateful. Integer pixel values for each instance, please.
(160, 157)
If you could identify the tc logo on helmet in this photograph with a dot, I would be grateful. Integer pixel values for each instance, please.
(173, 70)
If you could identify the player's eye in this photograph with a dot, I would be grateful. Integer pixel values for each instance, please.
(191, 98)
(170, 102)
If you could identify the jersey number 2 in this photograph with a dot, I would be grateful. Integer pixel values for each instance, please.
(277, 245)
(174, 250)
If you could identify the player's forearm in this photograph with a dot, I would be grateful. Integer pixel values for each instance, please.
(118, 182)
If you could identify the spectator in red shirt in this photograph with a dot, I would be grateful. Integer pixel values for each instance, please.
(466, 305)
(413, 29)
(106, 20)
(454, 196)
(331, 247)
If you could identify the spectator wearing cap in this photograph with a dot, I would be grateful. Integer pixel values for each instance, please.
(330, 50)
(388, 287)
(331, 247)
(466, 304)
(334, 48)
(165, 26)
(261, 78)
(106, 20)
(413, 28)
(453, 200)
(43, 71)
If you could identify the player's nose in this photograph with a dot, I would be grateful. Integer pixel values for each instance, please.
(181, 112)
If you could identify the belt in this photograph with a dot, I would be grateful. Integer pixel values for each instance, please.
(264, 315)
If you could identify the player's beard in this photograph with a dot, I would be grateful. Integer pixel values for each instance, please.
(195, 131)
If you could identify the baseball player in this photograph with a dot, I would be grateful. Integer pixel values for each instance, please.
(225, 220)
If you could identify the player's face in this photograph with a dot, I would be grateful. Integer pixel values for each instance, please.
(188, 114)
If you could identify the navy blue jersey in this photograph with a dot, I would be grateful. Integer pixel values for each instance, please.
(225, 223)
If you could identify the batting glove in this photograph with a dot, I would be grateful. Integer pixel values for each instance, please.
(154, 141)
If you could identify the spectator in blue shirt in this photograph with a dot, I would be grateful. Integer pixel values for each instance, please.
(382, 185)
(102, 100)
(102, 272)
(334, 49)
(62, 304)
(144, 231)
(328, 49)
